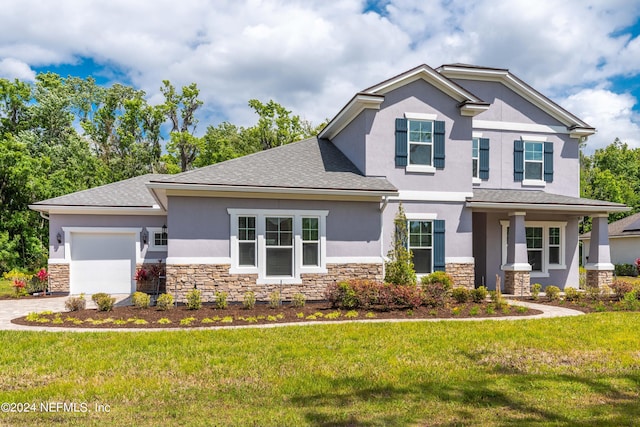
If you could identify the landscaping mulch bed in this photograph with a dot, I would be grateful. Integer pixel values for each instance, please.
(236, 315)
(584, 305)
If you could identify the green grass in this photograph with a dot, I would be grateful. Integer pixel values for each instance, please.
(6, 288)
(567, 371)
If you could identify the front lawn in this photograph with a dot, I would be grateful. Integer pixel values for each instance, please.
(6, 289)
(565, 371)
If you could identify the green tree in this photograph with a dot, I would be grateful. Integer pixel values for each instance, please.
(276, 126)
(399, 268)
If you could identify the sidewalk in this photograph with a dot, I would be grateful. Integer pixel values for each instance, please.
(10, 309)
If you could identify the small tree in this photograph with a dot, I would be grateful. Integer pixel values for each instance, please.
(399, 269)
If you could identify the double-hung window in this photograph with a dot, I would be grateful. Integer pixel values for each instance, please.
(421, 245)
(475, 157)
(277, 245)
(420, 142)
(545, 245)
(247, 241)
(533, 160)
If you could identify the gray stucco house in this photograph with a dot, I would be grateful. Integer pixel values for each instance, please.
(485, 166)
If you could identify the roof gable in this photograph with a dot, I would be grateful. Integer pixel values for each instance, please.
(576, 126)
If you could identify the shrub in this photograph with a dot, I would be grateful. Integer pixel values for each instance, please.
(164, 302)
(221, 300)
(582, 277)
(38, 282)
(103, 301)
(479, 294)
(367, 292)
(535, 291)
(571, 294)
(625, 270)
(406, 295)
(194, 299)
(438, 277)
(141, 300)
(460, 295)
(299, 300)
(342, 295)
(275, 299)
(637, 264)
(434, 294)
(621, 288)
(249, 300)
(553, 292)
(593, 293)
(630, 301)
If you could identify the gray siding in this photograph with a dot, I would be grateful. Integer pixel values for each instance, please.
(200, 227)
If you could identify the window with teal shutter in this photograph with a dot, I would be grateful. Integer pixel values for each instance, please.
(438, 144)
(483, 172)
(401, 142)
(548, 161)
(438, 245)
(518, 160)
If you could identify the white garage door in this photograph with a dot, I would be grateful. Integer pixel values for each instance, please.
(102, 263)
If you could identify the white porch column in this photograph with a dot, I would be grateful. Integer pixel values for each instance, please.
(517, 276)
(599, 268)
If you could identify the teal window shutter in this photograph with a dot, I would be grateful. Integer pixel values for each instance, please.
(483, 171)
(438, 245)
(548, 161)
(518, 160)
(401, 142)
(438, 144)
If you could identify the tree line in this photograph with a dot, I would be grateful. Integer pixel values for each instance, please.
(59, 135)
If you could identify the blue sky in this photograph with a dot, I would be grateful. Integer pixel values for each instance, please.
(313, 55)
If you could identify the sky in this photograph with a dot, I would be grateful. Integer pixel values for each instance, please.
(312, 56)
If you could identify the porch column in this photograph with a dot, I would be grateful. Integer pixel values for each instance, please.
(517, 270)
(599, 268)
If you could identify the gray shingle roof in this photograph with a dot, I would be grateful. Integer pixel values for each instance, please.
(311, 164)
(535, 197)
(128, 193)
(628, 226)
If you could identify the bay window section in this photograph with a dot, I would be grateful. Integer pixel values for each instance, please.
(310, 242)
(279, 243)
(545, 245)
(247, 241)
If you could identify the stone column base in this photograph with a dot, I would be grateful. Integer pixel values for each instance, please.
(463, 274)
(599, 278)
(517, 283)
(58, 278)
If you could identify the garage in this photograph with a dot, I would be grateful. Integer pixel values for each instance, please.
(102, 262)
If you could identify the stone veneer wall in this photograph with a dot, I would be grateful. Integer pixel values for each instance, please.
(517, 283)
(462, 274)
(58, 277)
(216, 278)
(599, 278)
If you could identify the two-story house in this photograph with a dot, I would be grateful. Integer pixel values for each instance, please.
(486, 167)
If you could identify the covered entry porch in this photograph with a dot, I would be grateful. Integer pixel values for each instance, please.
(530, 236)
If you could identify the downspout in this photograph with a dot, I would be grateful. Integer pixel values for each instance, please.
(44, 216)
(385, 202)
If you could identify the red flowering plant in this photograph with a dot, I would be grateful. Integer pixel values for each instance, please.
(638, 265)
(19, 285)
(39, 282)
(142, 275)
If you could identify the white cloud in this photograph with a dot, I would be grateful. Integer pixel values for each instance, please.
(312, 56)
(610, 113)
(11, 68)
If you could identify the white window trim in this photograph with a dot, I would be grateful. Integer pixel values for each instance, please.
(532, 182)
(261, 255)
(152, 241)
(546, 267)
(475, 179)
(422, 118)
(255, 242)
(422, 217)
(421, 168)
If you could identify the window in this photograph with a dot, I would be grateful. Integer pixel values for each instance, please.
(475, 157)
(421, 245)
(545, 249)
(157, 239)
(310, 241)
(247, 241)
(534, 247)
(277, 245)
(420, 142)
(533, 160)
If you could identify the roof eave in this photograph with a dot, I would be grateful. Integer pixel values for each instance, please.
(546, 207)
(273, 190)
(98, 210)
(356, 105)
